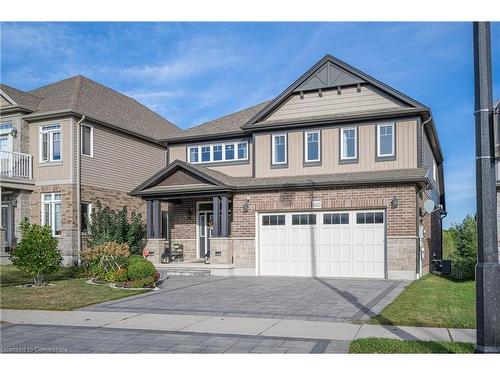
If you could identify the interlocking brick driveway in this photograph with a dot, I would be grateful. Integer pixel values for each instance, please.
(264, 297)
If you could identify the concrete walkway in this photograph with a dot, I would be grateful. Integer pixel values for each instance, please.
(260, 327)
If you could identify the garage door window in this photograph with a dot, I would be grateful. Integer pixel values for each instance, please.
(304, 219)
(273, 220)
(369, 218)
(336, 218)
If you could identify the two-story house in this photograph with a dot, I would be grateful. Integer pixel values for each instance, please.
(65, 146)
(328, 179)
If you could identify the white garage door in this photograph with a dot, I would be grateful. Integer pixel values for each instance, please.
(323, 244)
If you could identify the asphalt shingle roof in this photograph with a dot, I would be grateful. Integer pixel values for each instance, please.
(21, 98)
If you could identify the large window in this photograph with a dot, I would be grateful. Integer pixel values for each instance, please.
(5, 138)
(50, 143)
(304, 219)
(86, 211)
(312, 146)
(51, 212)
(385, 140)
(220, 152)
(87, 140)
(348, 144)
(279, 149)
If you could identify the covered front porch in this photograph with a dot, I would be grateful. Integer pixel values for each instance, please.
(188, 217)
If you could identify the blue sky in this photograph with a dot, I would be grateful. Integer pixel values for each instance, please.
(193, 72)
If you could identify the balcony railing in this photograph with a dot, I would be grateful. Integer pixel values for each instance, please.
(15, 165)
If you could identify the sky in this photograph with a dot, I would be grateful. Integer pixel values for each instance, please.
(191, 73)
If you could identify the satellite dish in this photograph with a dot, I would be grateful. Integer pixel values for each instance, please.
(429, 206)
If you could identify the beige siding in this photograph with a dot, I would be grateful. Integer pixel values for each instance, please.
(429, 160)
(178, 152)
(331, 103)
(406, 152)
(58, 172)
(120, 162)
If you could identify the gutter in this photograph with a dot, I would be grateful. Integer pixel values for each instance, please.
(79, 184)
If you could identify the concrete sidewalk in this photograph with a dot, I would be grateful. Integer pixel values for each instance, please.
(234, 325)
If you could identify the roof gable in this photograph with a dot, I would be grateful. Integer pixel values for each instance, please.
(14, 97)
(331, 73)
(182, 174)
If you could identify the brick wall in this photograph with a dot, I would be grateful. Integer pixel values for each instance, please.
(401, 221)
(432, 237)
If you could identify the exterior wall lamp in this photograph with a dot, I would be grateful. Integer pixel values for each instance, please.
(13, 132)
(246, 205)
(395, 201)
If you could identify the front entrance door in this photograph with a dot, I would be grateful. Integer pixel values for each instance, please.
(205, 223)
(7, 224)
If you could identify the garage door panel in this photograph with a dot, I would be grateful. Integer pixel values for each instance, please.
(334, 247)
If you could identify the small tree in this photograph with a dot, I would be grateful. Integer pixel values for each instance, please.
(464, 257)
(36, 254)
(107, 225)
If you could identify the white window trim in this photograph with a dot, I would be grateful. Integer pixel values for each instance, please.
(273, 149)
(342, 157)
(223, 145)
(306, 145)
(50, 143)
(89, 211)
(91, 140)
(434, 170)
(393, 141)
(52, 213)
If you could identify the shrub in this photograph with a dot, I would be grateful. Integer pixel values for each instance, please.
(107, 225)
(103, 260)
(36, 254)
(135, 258)
(140, 269)
(141, 283)
(464, 256)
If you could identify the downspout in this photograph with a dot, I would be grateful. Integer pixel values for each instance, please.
(78, 184)
(417, 212)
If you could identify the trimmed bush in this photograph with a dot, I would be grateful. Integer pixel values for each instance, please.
(140, 269)
(36, 254)
(141, 283)
(135, 258)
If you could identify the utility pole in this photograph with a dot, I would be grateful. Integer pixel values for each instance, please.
(488, 268)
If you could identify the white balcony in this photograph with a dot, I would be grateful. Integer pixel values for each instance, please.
(16, 165)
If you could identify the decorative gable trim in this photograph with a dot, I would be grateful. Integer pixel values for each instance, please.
(7, 97)
(178, 165)
(331, 72)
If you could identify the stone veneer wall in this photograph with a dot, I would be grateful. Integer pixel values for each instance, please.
(183, 227)
(114, 199)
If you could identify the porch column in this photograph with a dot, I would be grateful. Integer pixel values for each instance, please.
(224, 216)
(216, 209)
(156, 219)
(149, 219)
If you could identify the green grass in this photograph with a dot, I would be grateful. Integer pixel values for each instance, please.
(67, 293)
(433, 301)
(390, 346)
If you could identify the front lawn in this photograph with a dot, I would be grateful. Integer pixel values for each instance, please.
(67, 293)
(390, 346)
(433, 301)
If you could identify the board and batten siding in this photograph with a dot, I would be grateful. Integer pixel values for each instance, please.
(179, 152)
(331, 103)
(120, 161)
(57, 172)
(406, 152)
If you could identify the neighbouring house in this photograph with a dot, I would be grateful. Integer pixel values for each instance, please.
(328, 179)
(496, 131)
(65, 146)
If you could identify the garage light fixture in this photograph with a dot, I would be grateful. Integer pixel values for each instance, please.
(246, 205)
(395, 201)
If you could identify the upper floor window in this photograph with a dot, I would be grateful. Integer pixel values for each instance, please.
(279, 150)
(219, 152)
(385, 140)
(312, 145)
(349, 143)
(87, 140)
(51, 212)
(434, 171)
(5, 137)
(50, 143)
(5, 128)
